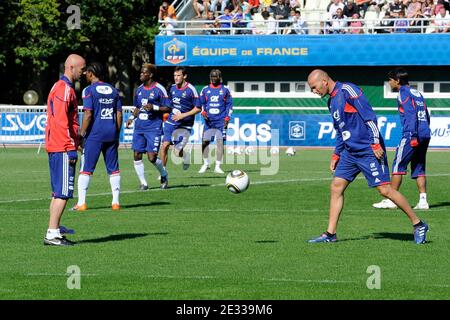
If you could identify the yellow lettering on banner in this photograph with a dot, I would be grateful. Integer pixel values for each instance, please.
(214, 52)
(247, 52)
(282, 51)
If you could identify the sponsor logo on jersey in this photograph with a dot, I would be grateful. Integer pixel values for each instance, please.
(104, 89)
(107, 113)
(105, 101)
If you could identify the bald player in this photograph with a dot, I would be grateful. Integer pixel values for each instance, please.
(359, 148)
(61, 142)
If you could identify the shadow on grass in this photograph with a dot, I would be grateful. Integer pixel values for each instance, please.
(129, 206)
(440, 204)
(266, 241)
(121, 237)
(181, 186)
(409, 237)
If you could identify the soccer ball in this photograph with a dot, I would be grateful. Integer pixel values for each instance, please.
(237, 181)
(290, 152)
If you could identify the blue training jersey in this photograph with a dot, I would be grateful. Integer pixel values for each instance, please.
(414, 114)
(150, 120)
(217, 102)
(104, 100)
(354, 120)
(183, 100)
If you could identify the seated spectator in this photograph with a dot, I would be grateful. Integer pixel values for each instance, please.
(350, 9)
(356, 25)
(299, 25)
(401, 24)
(254, 4)
(438, 6)
(338, 23)
(281, 12)
(257, 24)
(442, 21)
(223, 5)
(363, 5)
(412, 9)
(427, 10)
(166, 10)
(271, 24)
(239, 21)
(170, 23)
(267, 5)
(225, 22)
(294, 4)
(334, 6)
(395, 8)
(200, 6)
(386, 23)
(210, 27)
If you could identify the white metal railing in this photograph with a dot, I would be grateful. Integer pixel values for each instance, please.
(317, 26)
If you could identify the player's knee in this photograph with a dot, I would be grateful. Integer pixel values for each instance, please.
(385, 190)
(137, 156)
(152, 157)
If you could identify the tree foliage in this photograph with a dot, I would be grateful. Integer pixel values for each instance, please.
(36, 38)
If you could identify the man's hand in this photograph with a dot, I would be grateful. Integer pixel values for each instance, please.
(333, 162)
(148, 107)
(178, 116)
(73, 157)
(414, 142)
(128, 124)
(204, 115)
(226, 121)
(377, 150)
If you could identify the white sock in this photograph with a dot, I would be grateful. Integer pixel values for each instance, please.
(218, 163)
(206, 161)
(83, 185)
(159, 165)
(186, 157)
(422, 197)
(114, 181)
(52, 234)
(139, 167)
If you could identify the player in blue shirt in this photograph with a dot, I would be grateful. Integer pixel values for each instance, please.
(217, 107)
(415, 139)
(100, 130)
(151, 102)
(359, 148)
(178, 126)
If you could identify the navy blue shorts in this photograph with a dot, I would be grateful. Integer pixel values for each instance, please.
(176, 134)
(406, 154)
(213, 131)
(62, 175)
(146, 142)
(91, 153)
(375, 171)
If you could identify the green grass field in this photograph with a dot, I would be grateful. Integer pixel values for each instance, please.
(199, 241)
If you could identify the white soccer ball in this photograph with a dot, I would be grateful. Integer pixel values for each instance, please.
(290, 152)
(237, 181)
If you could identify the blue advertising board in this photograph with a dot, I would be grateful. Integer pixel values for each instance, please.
(304, 50)
(243, 129)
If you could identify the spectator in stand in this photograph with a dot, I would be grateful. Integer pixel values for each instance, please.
(386, 23)
(245, 6)
(200, 6)
(338, 23)
(166, 10)
(350, 9)
(225, 21)
(395, 8)
(271, 24)
(210, 27)
(254, 4)
(170, 23)
(401, 24)
(239, 21)
(447, 5)
(336, 4)
(412, 9)
(442, 21)
(427, 10)
(223, 5)
(266, 5)
(294, 4)
(363, 5)
(438, 6)
(281, 12)
(299, 26)
(356, 25)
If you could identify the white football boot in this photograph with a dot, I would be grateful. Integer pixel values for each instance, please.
(385, 204)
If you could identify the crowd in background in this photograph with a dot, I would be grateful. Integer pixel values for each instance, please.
(340, 16)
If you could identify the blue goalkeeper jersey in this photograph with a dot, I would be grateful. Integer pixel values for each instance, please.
(414, 114)
(183, 100)
(150, 120)
(354, 120)
(217, 102)
(104, 101)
